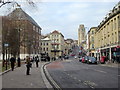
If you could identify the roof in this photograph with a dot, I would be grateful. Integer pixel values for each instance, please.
(45, 39)
(57, 32)
(19, 14)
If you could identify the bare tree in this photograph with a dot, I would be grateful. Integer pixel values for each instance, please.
(14, 2)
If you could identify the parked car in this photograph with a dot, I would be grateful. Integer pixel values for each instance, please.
(75, 57)
(43, 58)
(66, 57)
(72, 54)
(80, 59)
(84, 59)
(92, 60)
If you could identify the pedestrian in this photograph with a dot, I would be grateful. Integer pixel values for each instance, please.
(28, 65)
(12, 60)
(37, 60)
(19, 62)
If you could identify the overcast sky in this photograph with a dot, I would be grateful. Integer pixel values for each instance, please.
(66, 16)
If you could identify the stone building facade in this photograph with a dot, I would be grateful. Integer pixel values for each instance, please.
(107, 35)
(22, 33)
(91, 37)
(57, 44)
(0, 37)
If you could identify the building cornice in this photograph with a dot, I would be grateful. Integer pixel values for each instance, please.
(111, 15)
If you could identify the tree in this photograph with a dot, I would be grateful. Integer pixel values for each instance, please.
(14, 2)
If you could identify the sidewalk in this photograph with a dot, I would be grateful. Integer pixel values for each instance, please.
(19, 79)
(110, 64)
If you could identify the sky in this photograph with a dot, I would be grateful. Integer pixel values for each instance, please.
(66, 16)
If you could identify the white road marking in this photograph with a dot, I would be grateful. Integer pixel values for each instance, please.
(100, 71)
(75, 78)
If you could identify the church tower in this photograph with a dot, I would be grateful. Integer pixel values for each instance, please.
(81, 34)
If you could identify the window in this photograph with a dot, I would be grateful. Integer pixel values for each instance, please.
(92, 32)
(57, 46)
(46, 49)
(46, 43)
(115, 24)
(118, 22)
(92, 45)
(112, 25)
(92, 39)
(33, 27)
(43, 49)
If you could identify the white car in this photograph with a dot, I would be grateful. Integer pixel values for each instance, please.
(75, 57)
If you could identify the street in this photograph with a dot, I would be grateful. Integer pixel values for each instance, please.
(71, 73)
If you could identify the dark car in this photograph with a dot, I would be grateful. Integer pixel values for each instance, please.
(66, 57)
(80, 59)
(92, 60)
(43, 58)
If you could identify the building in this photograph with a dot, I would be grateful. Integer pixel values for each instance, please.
(91, 40)
(81, 35)
(22, 34)
(107, 35)
(0, 37)
(57, 42)
(46, 46)
(68, 46)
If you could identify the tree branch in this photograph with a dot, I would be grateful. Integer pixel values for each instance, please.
(3, 3)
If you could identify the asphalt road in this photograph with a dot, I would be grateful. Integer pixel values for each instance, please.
(74, 74)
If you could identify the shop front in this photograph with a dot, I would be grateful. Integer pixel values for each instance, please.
(115, 54)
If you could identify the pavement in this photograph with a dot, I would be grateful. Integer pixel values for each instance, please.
(19, 79)
(110, 64)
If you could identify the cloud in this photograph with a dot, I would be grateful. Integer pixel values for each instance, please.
(67, 16)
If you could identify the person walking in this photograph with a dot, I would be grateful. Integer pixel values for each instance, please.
(19, 62)
(28, 65)
(37, 60)
(12, 60)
